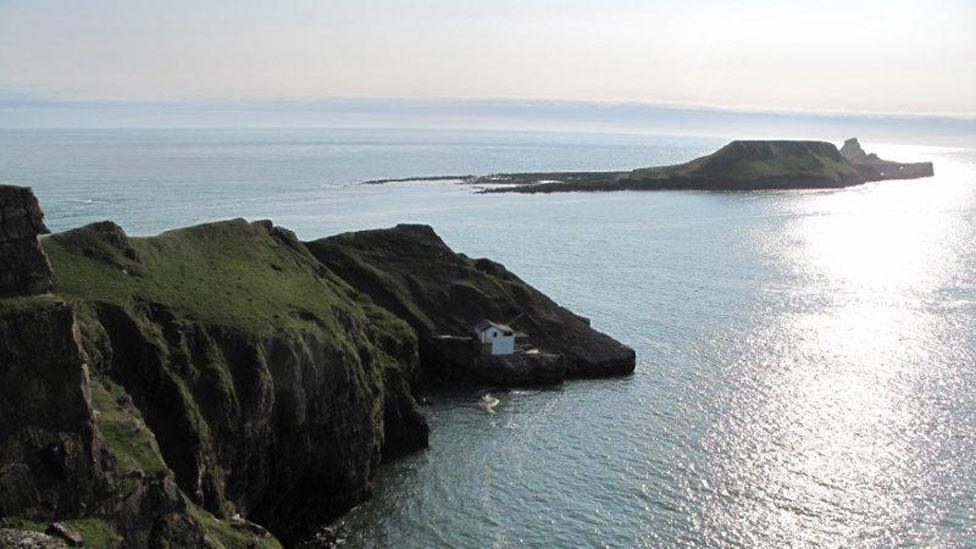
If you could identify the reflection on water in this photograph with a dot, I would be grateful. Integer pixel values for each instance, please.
(806, 378)
(839, 430)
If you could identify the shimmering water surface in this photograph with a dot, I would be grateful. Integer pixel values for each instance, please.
(806, 360)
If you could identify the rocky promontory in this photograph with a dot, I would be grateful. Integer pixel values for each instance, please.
(738, 166)
(443, 295)
(227, 385)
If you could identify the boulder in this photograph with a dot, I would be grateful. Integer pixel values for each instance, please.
(65, 534)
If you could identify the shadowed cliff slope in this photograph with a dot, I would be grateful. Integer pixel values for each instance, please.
(409, 270)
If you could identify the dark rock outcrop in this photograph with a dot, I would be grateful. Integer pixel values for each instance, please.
(872, 168)
(852, 151)
(50, 457)
(156, 515)
(24, 269)
(443, 295)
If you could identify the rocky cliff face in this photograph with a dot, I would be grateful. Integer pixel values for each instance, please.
(872, 168)
(179, 390)
(271, 390)
(54, 461)
(852, 151)
(24, 269)
(443, 295)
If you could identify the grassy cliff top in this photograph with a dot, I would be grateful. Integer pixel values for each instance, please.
(759, 160)
(251, 276)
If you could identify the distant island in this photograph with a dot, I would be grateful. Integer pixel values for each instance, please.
(738, 166)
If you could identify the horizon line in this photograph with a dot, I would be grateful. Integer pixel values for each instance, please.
(36, 102)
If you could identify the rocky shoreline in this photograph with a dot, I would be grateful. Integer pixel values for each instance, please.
(228, 385)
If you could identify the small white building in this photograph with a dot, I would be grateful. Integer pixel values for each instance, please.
(495, 339)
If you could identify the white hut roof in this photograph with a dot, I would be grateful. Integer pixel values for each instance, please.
(486, 324)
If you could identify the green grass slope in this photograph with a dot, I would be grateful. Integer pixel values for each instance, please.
(270, 386)
(759, 163)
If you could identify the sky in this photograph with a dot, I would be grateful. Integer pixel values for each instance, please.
(832, 56)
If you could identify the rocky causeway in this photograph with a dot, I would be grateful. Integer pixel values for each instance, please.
(738, 166)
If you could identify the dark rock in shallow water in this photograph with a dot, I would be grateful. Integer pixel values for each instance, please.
(24, 269)
(443, 295)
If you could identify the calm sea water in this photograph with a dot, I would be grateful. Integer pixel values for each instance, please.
(806, 360)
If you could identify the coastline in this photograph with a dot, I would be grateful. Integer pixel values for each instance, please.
(739, 166)
(255, 377)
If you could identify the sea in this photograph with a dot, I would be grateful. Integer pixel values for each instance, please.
(806, 360)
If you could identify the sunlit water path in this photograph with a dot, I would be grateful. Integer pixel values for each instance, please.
(807, 360)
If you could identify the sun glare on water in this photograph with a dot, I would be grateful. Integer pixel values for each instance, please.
(828, 433)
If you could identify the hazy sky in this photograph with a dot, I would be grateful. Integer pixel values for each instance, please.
(891, 56)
